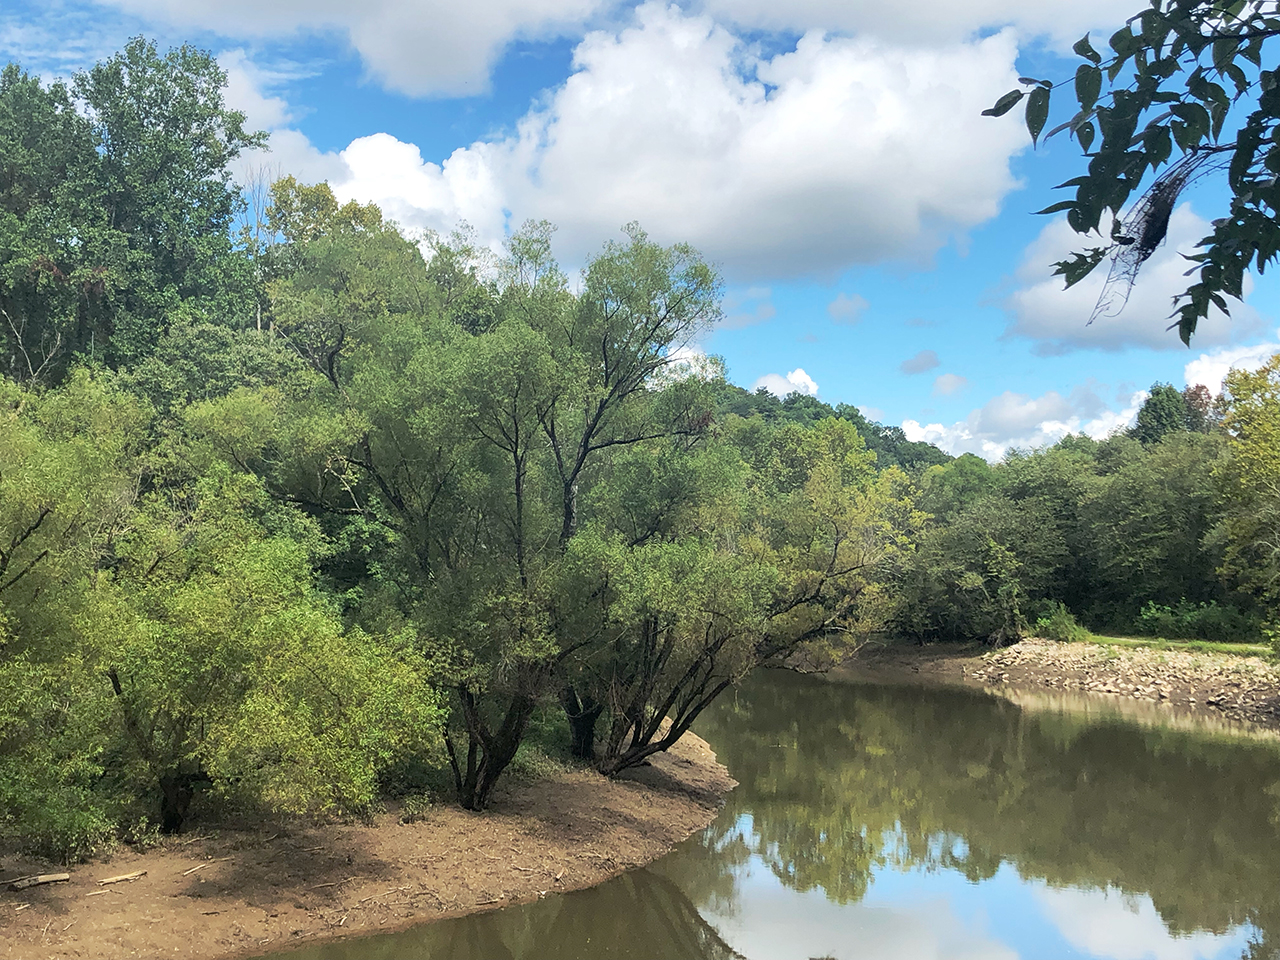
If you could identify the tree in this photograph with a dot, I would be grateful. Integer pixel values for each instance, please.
(1147, 525)
(1182, 75)
(52, 280)
(116, 205)
(161, 630)
(166, 140)
(1163, 412)
(1250, 476)
(226, 669)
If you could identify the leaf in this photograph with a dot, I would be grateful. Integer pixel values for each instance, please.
(1122, 42)
(1081, 264)
(1237, 77)
(1157, 144)
(1224, 52)
(1085, 49)
(1056, 207)
(1073, 182)
(1088, 85)
(1085, 135)
(1060, 127)
(1004, 104)
(1037, 111)
(1154, 27)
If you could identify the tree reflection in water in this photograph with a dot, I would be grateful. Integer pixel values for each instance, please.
(637, 916)
(843, 779)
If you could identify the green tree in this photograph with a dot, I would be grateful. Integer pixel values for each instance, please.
(52, 277)
(166, 139)
(160, 629)
(226, 669)
(116, 206)
(1149, 524)
(1163, 412)
(1250, 477)
(1185, 85)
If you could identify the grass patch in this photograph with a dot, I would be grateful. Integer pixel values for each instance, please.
(1194, 646)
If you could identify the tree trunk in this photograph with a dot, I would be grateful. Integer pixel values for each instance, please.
(569, 513)
(582, 714)
(176, 793)
(488, 753)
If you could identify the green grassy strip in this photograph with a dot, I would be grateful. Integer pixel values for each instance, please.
(1197, 646)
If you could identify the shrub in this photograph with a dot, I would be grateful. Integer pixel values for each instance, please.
(1202, 621)
(1058, 623)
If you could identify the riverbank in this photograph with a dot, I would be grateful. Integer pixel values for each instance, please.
(1243, 690)
(241, 893)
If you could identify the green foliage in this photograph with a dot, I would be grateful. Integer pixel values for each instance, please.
(52, 275)
(116, 209)
(1173, 77)
(1163, 412)
(1058, 623)
(162, 635)
(1098, 529)
(1197, 621)
(166, 138)
(1151, 522)
(1250, 478)
(889, 444)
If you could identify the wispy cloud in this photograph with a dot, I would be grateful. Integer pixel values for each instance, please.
(923, 361)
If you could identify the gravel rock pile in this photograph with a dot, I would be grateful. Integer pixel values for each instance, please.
(1241, 688)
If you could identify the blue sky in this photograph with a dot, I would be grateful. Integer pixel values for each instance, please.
(874, 231)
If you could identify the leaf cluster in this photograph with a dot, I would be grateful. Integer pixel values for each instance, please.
(1185, 79)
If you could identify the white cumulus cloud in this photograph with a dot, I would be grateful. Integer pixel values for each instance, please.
(445, 47)
(798, 164)
(927, 21)
(1018, 420)
(797, 381)
(1210, 369)
(1058, 320)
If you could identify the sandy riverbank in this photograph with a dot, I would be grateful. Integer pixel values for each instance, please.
(245, 892)
(1243, 690)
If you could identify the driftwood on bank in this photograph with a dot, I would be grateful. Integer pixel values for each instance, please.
(37, 880)
(123, 877)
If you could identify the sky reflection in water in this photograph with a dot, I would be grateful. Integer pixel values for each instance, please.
(930, 824)
(941, 915)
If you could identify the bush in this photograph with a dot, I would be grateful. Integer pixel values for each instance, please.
(1202, 621)
(1058, 623)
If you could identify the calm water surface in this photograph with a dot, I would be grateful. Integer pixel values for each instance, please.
(880, 821)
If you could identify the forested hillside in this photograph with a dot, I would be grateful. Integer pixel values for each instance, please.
(297, 511)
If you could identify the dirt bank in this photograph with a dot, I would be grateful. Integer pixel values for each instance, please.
(1243, 690)
(245, 892)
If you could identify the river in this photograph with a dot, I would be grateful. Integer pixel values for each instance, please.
(928, 823)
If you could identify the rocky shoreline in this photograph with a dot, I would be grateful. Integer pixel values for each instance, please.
(249, 891)
(1243, 690)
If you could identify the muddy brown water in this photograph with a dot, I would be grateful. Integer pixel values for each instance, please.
(883, 820)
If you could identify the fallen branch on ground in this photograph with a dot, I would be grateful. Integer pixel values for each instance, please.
(123, 878)
(38, 880)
